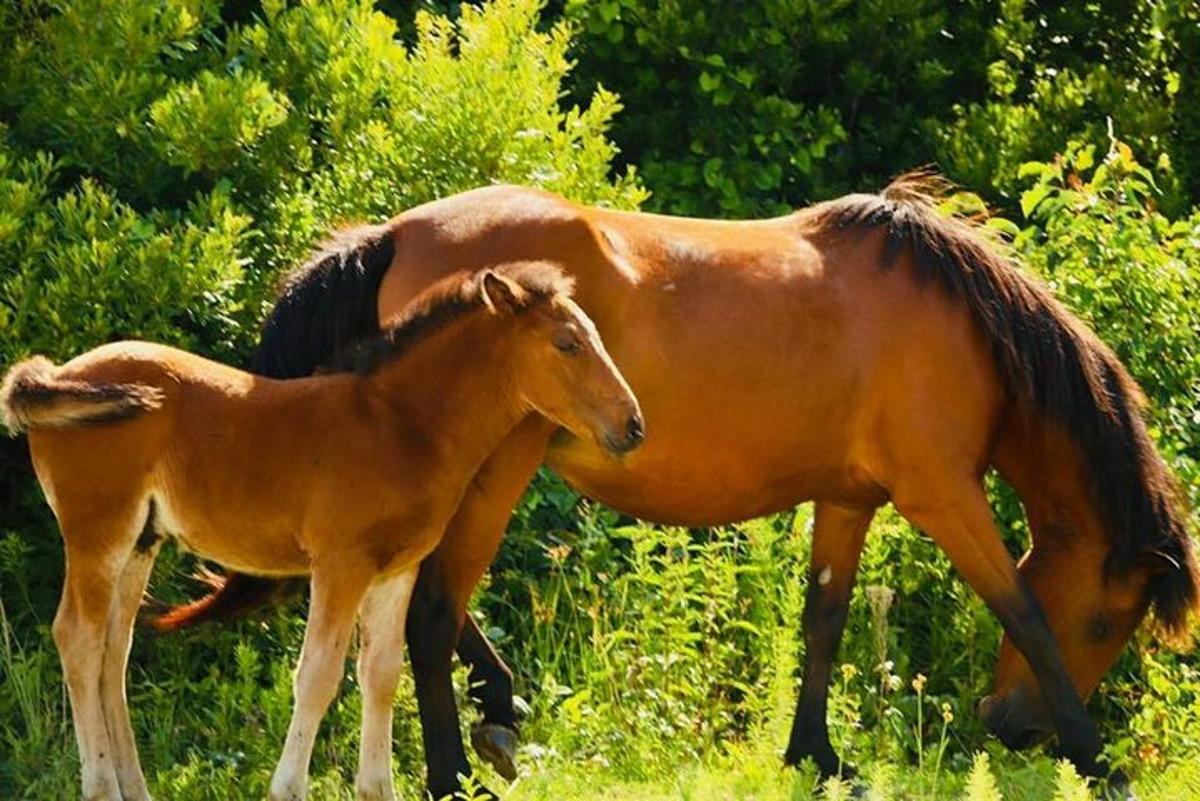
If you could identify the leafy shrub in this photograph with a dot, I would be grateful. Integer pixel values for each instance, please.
(1132, 273)
(753, 108)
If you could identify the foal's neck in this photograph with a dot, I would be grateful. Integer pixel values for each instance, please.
(455, 391)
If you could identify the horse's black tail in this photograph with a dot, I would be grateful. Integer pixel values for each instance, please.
(324, 306)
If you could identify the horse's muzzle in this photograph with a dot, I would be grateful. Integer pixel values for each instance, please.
(1014, 720)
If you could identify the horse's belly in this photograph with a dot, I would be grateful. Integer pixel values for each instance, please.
(684, 483)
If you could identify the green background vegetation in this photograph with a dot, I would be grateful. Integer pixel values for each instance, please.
(162, 161)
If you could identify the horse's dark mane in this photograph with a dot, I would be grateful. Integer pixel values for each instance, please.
(326, 304)
(450, 299)
(1050, 361)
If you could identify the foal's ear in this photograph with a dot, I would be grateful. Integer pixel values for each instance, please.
(501, 295)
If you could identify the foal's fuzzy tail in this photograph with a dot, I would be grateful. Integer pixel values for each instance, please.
(32, 396)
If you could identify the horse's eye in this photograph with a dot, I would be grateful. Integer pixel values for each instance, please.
(570, 347)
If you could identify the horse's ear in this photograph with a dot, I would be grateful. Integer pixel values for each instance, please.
(1157, 562)
(501, 295)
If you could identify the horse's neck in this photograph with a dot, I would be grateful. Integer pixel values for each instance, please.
(454, 391)
(1049, 473)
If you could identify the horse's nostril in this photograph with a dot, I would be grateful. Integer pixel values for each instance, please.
(988, 706)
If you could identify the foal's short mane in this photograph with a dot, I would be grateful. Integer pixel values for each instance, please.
(450, 299)
(1050, 361)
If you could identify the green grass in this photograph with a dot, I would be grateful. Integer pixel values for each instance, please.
(749, 774)
(659, 664)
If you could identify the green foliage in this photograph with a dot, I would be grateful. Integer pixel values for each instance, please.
(1132, 273)
(751, 108)
(84, 267)
(981, 785)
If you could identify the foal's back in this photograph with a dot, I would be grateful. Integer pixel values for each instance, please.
(227, 460)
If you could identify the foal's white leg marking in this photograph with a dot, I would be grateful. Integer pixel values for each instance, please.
(334, 605)
(112, 682)
(79, 632)
(380, 660)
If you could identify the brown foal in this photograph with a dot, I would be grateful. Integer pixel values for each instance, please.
(350, 478)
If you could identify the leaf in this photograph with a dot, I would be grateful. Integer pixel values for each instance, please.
(709, 81)
(1033, 168)
(1030, 198)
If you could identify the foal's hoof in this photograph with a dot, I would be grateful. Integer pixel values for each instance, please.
(498, 746)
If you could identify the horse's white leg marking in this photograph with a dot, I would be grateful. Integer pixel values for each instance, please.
(112, 682)
(334, 605)
(79, 632)
(380, 660)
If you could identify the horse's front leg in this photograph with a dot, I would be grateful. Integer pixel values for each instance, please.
(337, 591)
(838, 536)
(447, 579)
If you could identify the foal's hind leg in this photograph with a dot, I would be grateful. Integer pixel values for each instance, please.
(957, 516)
(380, 660)
(838, 535)
(116, 657)
(79, 633)
(336, 595)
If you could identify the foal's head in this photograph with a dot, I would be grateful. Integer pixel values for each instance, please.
(560, 366)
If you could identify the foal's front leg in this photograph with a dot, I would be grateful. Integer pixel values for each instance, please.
(337, 592)
(838, 535)
(380, 660)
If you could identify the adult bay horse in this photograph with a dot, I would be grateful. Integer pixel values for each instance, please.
(350, 479)
(860, 351)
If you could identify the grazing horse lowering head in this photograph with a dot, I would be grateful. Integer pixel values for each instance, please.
(1110, 545)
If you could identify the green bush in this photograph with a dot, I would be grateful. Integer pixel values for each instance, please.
(743, 109)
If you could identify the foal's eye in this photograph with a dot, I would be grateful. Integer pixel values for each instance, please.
(570, 347)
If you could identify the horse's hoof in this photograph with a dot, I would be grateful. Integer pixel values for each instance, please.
(1118, 791)
(498, 746)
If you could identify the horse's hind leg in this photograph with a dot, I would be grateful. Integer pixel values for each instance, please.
(957, 516)
(119, 636)
(336, 595)
(838, 536)
(79, 633)
(380, 660)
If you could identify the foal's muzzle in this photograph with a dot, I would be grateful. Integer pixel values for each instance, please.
(635, 432)
(1014, 720)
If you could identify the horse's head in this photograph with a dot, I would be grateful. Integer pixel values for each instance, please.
(1093, 603)
(1092, 611)
(561, 367)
